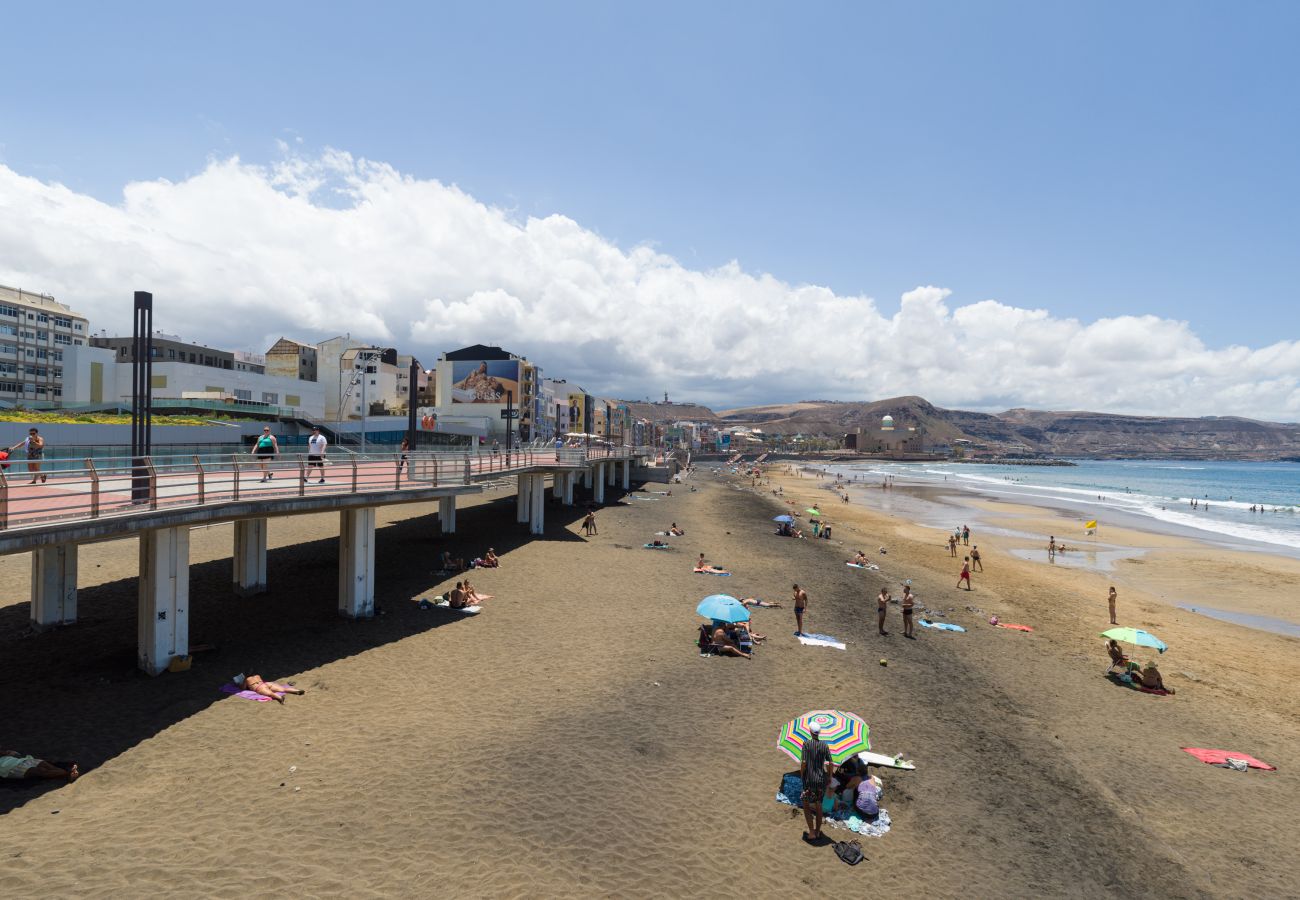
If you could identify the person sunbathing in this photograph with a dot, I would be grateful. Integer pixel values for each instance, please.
(276, 692)
(1117, 658)
(1150, 678)
(761, 604)
(450, 564)
(490, 560)
(473, 597)
(19, 765)
(724, 645)
(711, 570)
(860, 559)
(675, 531)
(741, 633)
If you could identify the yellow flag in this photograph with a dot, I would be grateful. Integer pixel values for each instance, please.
(1092, 524)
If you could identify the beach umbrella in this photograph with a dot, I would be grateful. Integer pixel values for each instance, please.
(844, 733)
(786, 519)
(1137, 637)
(814, 510)
(723, 608)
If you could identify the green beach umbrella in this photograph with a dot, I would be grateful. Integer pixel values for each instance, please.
(1137, 637)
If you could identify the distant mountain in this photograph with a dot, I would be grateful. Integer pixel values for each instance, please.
(1037, 432)
(667, 413)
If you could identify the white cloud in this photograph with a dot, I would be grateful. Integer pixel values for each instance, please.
(315, 246)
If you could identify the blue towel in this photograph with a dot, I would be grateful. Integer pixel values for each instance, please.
(944, 626)
(792, 787)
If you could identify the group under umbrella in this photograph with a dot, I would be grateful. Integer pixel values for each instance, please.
(723, 608)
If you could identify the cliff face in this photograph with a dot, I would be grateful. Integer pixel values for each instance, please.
(1038, 432)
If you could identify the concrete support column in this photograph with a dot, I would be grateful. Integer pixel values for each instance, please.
(537, 521)
(598, 484)
(627, 474)
(523, 498)
(588, 477)
(557, 485)
(357, 563)
(250, 557)
(54, 586)
(164, 609)
(447, 514)
(569, 479)
(611, 469)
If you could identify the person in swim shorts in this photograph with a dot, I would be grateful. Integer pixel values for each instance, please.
(908, 603)
(882, 606)
(800, 606)
(965, 573)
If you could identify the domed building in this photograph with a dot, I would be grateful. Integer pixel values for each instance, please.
(887, 423)
(886, 440)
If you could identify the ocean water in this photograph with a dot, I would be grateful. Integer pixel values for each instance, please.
(1154, 489)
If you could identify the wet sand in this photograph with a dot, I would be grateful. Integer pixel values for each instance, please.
(569, 741)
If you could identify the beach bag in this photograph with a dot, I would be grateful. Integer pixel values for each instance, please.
(849, 851)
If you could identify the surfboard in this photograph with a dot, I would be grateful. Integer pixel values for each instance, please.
(880, 759)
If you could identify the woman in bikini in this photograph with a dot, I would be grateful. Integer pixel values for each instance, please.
(275, 691)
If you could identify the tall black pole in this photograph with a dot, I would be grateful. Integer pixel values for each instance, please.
(510, 421)
(410, 404)
(141, 393)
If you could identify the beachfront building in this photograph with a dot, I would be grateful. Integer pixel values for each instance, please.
(330, 372)
(35, 332)
(292, 359)
(102, 374)
(370, 382)
(886, 439)
(488, 392)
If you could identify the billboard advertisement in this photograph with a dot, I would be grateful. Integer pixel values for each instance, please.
(577, 410)
(484, 381)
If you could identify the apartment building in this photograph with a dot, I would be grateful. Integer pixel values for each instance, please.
(35, 331)
(293, 359)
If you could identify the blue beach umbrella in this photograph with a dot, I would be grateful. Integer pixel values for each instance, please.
(1137, 637)
(723, 608)
(786, 519)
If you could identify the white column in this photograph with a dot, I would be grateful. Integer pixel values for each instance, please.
(54, 586)
(523, 498)
(557, 485)
(164, 609)
(610, 469)
(357, 563)
(537, 521)
(569, 479)
(598, 484)
(588, 477)
(627, 474)
(447, 514)
(250, 557)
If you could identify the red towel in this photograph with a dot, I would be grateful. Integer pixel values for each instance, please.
(1016, 627)
(1218, 757)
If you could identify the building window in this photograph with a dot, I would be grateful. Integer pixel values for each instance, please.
(57, 355)
(76, 326)
(6, 310)
(42, 317)
(270, 398)
(42, 354)
(65, 340)
(78, 342)
(8, 369)
(243, 394)
(171, 354)
(10, 387)
(58, 371)
(8, 329)
(42, 336)
(62, 322)
(58, 392)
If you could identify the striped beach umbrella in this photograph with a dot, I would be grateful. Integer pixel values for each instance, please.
(844, 733)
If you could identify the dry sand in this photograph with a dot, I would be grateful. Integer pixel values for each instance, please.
(570, 741)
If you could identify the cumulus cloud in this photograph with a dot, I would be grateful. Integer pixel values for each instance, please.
(319, 245)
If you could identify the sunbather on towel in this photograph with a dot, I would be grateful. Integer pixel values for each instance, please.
(675, 531)
(19, 765)
(1150, 678)
(860, 559)
(711, 570)
(761, 604)
(473, 597)
(724, 645)
(657, 543)
(257, 685)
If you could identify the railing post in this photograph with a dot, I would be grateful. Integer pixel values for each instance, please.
(467, 468)
(302, 478)
(4, 500)
(235, 458)
(94, 488)
(202, 487)
(397, 484)
(354, 473)
(153, 482)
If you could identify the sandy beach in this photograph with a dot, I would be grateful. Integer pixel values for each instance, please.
(570, 741)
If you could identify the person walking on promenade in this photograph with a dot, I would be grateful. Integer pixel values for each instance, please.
(266, 448)
(965, 573)
(800, 605)
(975, 557)
(405, 455)
(908, 603)
(815, 773)
(882, 606)
(1110, 601)
(34, 444)
(316, 454)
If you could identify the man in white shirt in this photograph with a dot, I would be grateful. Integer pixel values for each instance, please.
(316, 454)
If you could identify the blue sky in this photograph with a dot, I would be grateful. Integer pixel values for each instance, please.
(1093, 160)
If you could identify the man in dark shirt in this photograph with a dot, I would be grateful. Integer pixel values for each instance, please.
(815, 771)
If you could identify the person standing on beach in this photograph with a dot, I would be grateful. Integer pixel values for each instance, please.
(815, 773)
(1051, 547)
(1110, 601)
(316, 454)
(266, 448)
(800, 604)
(952, 545)
(965, 535)
(589, 523)
(34, 445)
(882, 606)
(965, 573)
(975, 557)
(908, 603)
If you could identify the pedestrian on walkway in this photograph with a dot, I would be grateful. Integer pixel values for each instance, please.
(266, 448)
(405, 455)
(34, 445)
(316, 445)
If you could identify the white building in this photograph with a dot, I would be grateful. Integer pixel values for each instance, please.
(35, 333)
(370, 376)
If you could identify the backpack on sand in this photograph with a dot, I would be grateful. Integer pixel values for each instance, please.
(849, 851)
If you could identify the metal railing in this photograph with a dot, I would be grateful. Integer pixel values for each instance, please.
(103, 487)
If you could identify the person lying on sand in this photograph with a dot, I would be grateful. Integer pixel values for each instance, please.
(658, 543)
(738, 631)
(257, 685)
(675, 531)
(1150, 678)
(761, 604)
(19, 765)
(711, 570)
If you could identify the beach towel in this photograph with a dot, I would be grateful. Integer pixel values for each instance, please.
(855, 565)
(656, 546)
(229, 688)
(820, 640)
(709, 572)
(1221, 757)
(789, 794)
(1013, 627)
(1130, 683)
(467, 610)
(942, 626)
